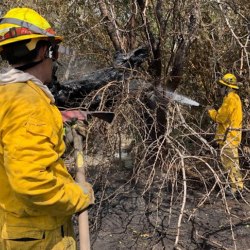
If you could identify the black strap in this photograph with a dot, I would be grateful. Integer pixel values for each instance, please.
(28, 65)
(62, 231)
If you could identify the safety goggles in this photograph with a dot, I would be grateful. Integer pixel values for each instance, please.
(52, 52)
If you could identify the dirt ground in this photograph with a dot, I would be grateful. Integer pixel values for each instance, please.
(127, 217)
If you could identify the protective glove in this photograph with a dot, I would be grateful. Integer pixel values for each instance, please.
(69, 115)
(87, 190)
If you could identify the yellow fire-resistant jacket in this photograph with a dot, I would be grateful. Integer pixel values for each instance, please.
(229, 120)
(36, 190)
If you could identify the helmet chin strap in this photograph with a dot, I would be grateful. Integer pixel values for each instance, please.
(32, 64)
(49, 54)
(28, 65)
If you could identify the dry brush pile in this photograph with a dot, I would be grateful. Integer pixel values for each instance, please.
(141, 173)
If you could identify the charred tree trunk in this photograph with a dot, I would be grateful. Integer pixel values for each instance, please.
(70, 94)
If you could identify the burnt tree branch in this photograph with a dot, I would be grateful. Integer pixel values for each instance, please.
(71, 93)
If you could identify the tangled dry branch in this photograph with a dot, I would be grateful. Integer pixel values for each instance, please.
(139, 178)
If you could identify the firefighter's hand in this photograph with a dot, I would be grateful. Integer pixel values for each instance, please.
(69, 115)
(88, 190)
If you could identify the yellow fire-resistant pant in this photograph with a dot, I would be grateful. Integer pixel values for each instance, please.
(230, 162)
(61, 238)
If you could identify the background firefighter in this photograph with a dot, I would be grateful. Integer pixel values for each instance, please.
(228, 133)
(38, 196)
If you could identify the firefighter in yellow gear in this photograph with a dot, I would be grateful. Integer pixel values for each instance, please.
(38, 196)
(228, 133)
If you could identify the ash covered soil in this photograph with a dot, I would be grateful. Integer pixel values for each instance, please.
(135, 214)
